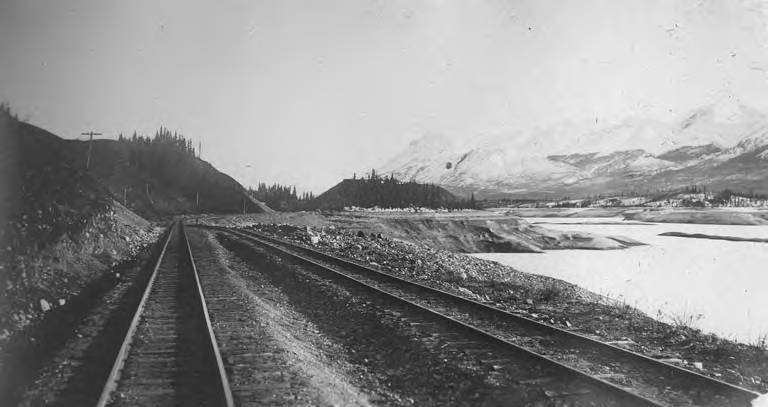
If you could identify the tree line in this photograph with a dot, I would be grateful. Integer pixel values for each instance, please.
(163, 138)
(281, 197)
(157, 152)
(369, 191)
(374, 190)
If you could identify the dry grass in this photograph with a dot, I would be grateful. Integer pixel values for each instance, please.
(685, 319)
(761, 342)
(548, 293)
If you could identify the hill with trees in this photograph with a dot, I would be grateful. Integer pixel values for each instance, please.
(62, 221)
(44, 194)
(50, 187)
(161, 175)
(60, 229)
(387, 192)
(281, 197)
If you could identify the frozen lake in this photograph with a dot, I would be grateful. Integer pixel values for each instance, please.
(721, 285)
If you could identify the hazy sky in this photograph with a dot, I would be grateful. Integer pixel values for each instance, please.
(307, 92)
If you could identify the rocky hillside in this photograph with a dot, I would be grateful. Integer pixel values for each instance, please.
(44, 194)
(719, 146)
(62, 225)
(61, 230)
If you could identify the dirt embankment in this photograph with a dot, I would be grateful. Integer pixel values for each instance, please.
(561, 212)
(716, 216)
(40, 279)
(714, 237)
(701, 216)
(508, 235)
(466, 232)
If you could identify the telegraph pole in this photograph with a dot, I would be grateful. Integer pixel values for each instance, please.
(90, 146)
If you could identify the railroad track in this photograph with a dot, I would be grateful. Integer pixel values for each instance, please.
(633, 378)
(169, 355)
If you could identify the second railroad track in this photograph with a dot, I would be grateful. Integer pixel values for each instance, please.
(631, 378)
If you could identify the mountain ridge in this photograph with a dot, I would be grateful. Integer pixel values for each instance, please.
(705, 147)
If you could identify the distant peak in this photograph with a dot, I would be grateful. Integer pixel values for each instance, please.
(729, 111)
(431, 138)
(726, 111)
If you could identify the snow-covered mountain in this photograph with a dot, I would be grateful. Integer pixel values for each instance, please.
(578, 158)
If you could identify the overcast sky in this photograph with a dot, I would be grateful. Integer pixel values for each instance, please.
(306, 92)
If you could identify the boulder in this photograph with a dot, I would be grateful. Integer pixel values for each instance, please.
(44, 305)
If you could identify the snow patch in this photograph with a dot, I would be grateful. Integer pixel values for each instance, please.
(520, 157)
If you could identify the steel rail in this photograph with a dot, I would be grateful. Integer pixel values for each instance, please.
(224, 381)
(114, 375)
(113, 379)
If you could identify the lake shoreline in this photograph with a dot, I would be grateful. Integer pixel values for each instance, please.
(714, 237)
(701, 216)
(669, 277)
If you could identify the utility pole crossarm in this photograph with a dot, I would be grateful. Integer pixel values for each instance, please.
(90, 135)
